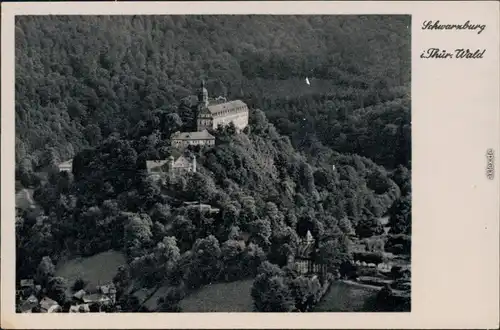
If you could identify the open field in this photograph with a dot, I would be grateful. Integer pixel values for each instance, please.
(344, 297)
(220, 297)
(96, 270)
(152, 303)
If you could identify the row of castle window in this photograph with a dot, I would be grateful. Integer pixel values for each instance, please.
(205, 122)
(239, 109)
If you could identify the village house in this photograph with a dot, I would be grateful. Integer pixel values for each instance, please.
(27, 283)
(28, 305)
(83, 308)
(97, 298)
(172, 166)
(182, 140)
(181, 165)
(48, 305)
(78, 296)
(66, 166)
(212, 113)
(83, 302)
(109, 290)
(27, 288)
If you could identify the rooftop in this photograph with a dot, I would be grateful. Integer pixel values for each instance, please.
(28, 305)
(27, 282)
(79, 294)
(202, 207)
(47, 303)
(84, 308)
(67, 163)
(203, 135)
(214, 108)
(108, 288)
(95, 297)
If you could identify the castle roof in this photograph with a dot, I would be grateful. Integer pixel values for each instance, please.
(204, 135)
(218, 107)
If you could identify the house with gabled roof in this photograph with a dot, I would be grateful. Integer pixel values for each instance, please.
(28, 305)
(83, 308)
(182, 140)
(182, 164)
(78, 296)
(48, 305)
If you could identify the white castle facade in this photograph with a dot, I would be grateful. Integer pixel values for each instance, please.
(212, 113)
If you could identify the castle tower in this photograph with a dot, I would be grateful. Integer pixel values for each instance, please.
(309, 237)
(194, 164)
(202, 95)
(171, 165)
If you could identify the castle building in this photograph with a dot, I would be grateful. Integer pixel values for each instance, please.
(181, 165)
(181, 140)
(304, 260)
(212, 113)
(158, 169)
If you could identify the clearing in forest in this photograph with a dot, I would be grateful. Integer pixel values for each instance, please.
(96, 270)
(221, 297)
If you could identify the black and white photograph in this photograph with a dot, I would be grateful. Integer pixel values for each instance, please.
(213, 163)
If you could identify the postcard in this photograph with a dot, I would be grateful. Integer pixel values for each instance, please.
(234, 164)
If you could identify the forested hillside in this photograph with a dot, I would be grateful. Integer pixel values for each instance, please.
(78, 79)
(331, 157)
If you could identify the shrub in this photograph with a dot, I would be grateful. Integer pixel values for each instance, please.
(396, 272)
(387, 301)
(367, 271)
(79, 284)
(402, 284)
(399, 244)
(369, 227)
(369, 257)
(271, 294)
(348, 270)
(306, 292)
(374, 244)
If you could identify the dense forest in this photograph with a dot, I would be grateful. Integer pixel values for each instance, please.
(331, 157)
